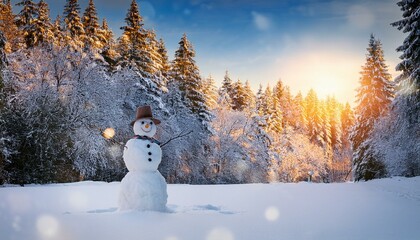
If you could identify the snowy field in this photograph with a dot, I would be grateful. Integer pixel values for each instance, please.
(380, 209)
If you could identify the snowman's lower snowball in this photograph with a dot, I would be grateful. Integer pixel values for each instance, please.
(143, 191)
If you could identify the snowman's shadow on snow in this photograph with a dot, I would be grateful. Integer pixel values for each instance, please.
(173, 209)
(208, 208)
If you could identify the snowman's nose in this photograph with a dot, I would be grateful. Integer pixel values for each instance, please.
(147, 125)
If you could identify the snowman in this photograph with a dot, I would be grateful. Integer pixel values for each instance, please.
(143, 188)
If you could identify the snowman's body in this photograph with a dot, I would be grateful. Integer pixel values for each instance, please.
(143, 188)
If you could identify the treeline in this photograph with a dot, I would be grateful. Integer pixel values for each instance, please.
(63, 83)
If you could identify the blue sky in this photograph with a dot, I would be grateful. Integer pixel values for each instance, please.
(318, 44)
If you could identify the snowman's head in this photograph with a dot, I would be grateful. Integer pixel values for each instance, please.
(144, 127)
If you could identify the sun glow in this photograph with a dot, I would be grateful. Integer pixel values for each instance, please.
(328, 73)
(325, 85)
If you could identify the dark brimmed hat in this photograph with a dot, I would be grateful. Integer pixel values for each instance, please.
(145, 112)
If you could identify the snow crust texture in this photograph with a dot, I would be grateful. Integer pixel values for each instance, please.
(385, 209)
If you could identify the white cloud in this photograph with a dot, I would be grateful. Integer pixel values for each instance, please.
(260, 21)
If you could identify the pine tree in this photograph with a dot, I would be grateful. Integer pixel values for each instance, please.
(108, 50)
(3, 149)
(227, 85)
(297, 116)
(249, 97)
(282, 93)
(312, 117)
(3, 62)
(74, 30)
(186, 72)
(94, 35)
(25, 20)
(325, 128)
(133, 43)
(408, 95)
(153, 51)
(259, 101)
(163, 53)
(410, 65)
(238, 96)
(27, 14)
(396, 135)
(268, 108)
(373, 97)
(42, 27)
(57, 30)
(9, 28)
(347, 121)
(108, 34)
(210, 92)
(276, 117)
(333, 114)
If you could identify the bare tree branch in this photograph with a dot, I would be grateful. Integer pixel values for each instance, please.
(180, 135)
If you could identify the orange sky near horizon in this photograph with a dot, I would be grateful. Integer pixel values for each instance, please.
(328, 73)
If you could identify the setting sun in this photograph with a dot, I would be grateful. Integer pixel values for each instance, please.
(328, 73)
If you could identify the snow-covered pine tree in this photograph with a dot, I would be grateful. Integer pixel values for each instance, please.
(153, 51)
(132, 45)
(282, 93)
(408, 96)
(312, 117)
(347, 121)
(108, 34)
(249, 97)
(325, 127)
(264, 103)
(238, 96)
(74, 31)
(325, 130)
(268, 109)
(259, 100)
(297, 116)
(3, 62)
(186, 72)
(27, 14)
(396, 136)
(24, 21)
(227, 86)
(94, 34)
(42, 26)
(57, 30)
(165, 66)
(343, 169)
(9, 28)
(154, 69)
(210, 92)
(409, 79)
(2, 144)
(373, 97)
(276, 118)
(108, 51)
(333, 114)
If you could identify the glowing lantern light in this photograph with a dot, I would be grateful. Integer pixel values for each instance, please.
(108, 133)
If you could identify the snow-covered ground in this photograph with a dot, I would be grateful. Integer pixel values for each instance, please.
(380, 209)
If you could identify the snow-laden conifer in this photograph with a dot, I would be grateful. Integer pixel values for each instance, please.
(186, 73)
(374, 96)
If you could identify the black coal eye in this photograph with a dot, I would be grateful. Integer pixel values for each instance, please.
(142, 122)
(151, 123)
